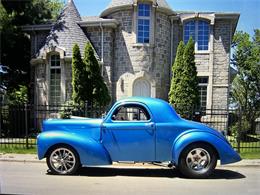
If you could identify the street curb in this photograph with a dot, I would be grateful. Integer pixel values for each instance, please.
(22, 161)
(27, 158)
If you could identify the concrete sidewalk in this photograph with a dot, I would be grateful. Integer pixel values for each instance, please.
(32, 158)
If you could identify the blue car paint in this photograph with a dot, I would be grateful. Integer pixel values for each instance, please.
(91, 152)
(162, 138)
(82, 134)
(129, 141)
(224, 150)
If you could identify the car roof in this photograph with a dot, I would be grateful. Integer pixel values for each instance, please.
(142, 99)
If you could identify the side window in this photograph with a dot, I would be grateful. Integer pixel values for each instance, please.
(131, 113)
(143, 23)
(55, 80)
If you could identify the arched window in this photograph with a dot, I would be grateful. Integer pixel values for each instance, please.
(189, 31)
(199, 31)
(55, 80)
(143, 23)
(203, 35)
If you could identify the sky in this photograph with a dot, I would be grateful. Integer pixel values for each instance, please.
(249, 9)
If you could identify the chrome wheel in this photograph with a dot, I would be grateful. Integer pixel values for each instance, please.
(198, 159)
(62, 161)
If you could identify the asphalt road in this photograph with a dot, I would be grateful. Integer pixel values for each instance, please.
(32, 178)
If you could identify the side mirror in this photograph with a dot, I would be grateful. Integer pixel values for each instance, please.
(113, 117)
(104, 115)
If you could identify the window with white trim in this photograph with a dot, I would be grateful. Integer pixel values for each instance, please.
(143, 23)
(199, 31)
(55, 80)
(131, 112)
(203, 88)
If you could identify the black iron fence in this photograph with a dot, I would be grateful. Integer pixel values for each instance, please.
(241, 128)
(19, 125)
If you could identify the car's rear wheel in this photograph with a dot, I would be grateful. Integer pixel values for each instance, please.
(198, 160)
(63, 160)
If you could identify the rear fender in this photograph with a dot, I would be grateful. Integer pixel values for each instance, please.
(91, 152)
(225, 152)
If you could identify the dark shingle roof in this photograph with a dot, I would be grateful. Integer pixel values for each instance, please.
(66, 31)
(92, 19)
(115, 4)
(88, 21)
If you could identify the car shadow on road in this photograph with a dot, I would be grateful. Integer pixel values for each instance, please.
(146, 172)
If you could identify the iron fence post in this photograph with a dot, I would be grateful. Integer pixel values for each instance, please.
(239, 129)
(26, 126)
(0, 120)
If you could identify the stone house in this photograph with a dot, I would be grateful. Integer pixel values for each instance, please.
(135, 42)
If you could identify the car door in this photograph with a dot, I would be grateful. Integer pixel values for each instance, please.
(128, 134)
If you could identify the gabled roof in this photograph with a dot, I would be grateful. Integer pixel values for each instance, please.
(119, 4)
(66, 31)
(233, 17)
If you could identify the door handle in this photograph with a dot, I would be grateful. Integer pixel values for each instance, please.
(151, 125)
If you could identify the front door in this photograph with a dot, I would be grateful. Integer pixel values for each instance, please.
(142, 87)
(129, 134)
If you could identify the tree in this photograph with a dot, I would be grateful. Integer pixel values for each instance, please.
(177, 70)
(184, 94)
(87, 83)
(18, 96)
(32, 11)
(79, 77)
(190, 79)
(15, 44)
(246, 85)
(97, 91)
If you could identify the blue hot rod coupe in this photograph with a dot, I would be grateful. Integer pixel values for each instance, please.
(135, 129)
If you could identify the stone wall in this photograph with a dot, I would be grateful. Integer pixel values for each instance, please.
(131, 58)
(221, 60)
(95, 36)
(123, 43)
(39, 70)
(41, 87)
(176, 37)
(202, 62)
(162, 55)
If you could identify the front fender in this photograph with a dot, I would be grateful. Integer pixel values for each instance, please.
(225, 152)
(90, 151)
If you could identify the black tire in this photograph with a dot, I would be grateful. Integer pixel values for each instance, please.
(197, 160)
(63, 160)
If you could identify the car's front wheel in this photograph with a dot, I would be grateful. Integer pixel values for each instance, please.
(63, 160)
(198, 160)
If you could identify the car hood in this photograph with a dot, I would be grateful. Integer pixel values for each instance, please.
(72, 125)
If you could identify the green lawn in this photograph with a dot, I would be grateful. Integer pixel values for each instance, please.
(248, 149)
(18, 146)
(17, 150)
(255, 154)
